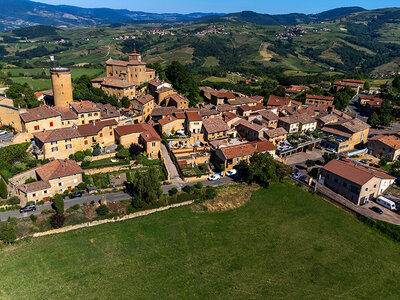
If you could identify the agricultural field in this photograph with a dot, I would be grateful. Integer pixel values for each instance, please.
(283, 243)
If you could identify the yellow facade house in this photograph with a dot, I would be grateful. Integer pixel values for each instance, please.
(143, 105)
(142, 134)
(40, 118)
(169, 125)
(52, 178)
(9, 115)
(60, 143)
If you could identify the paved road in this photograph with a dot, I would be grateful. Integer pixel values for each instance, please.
(170, 166)
(118, 196)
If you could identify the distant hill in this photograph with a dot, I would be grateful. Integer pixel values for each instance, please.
(22, 13)
(283, 19)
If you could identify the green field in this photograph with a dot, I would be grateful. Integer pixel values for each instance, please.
(285, 243)
(45, 84)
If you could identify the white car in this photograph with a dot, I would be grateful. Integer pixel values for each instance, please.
(2, 132)
(231, 172)
(215, 176)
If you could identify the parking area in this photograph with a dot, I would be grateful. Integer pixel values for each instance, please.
(302, 157)
(6, 138)
(387, 216)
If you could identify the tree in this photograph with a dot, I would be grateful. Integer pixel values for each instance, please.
(373, 119)
(367, 86)
(7, 233)
(135, 150)
(126, 102)
(383, 161)
(146, 186)
(79, 155)
(82, 186)
(261, 169)
(310, 163)
(396, 83)
(123, 153)
(329, 156)
(173, 191)
(279, 91)
(59, 204)
(57, 220)
(102, 210)
(3, 189)
(183, 81)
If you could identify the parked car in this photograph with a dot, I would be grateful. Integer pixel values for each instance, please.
(377, 210)
(296, 175)
(303, 178)
(75, 195)
(27, 208)
(2, 132)
(214, 177)
(231, 172)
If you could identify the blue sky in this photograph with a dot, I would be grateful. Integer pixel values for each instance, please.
(262, 6)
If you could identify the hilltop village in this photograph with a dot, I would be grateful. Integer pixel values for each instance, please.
(191, 143)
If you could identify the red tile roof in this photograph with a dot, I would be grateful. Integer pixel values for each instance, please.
(354, 172)
(281, 101)
(318, 97)
(166, 120)
(146, 131)
(38, 113)
(225, 95)
(58, 168)
(237, 151)
(84, 106)
(145, 99)
(263, 146)
(95, 127)
(214, 125)
(66, 113)
(193, 116)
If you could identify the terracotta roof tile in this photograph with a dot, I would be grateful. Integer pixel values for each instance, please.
(39, 113)
(214, 125)
(145, 99)
(84, 107)
(237, 151)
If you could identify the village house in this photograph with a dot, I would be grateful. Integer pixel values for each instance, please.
(162, 93)
(157, 84)
(52, 178)
(177, 100)
(218, 98)
(355, 85)
(316, 99)
(142, 134)
(227, 158)
(244, 100)
(115, 86)
(223, 108)
(143, 106)
(194, 124)
(215, 128)
(10, 115)
(298, 123)
(346, 134)
(247, 110)
(249, 131)
(295, 89)
(87, 111)
(387, 146)
(277, 101)
(62, 142)
(170, 125)
(40, 118)
(276, 136)
(355, 182)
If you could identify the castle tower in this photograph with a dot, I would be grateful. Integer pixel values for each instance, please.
(62, 86)
(135, 56)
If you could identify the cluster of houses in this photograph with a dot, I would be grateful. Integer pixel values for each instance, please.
(225, 130)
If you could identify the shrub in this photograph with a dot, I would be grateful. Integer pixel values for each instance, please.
(57, 220)
(102, 210)
(210, 193)
(48, 211)
(199, 185)
(96, 152)
(188, 189)
(383, 162)
(88, 152)
(173, 191)
(33, 218)
(79, 156)
(137, 203)
(128, 177)
(3, 189)
(75, 219)
(85, 163)
(59, 204)
(72, 157)
(123, 153)
(41, 202)
(13, 201)
(8, 233)
(82, 186)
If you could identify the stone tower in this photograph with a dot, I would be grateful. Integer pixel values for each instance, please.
(62, 86)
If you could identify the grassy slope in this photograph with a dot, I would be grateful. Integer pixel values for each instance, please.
(284, 243)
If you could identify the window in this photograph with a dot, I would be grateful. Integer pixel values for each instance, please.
(60, 184)
(153, 144)
(101, 134)
(67, 140)
(36, 127)
(54, 149)
(44, 192)
(86, 142)
(366, 189)
(111, 133)
(51, 124)
(75, 180)
(33, 195)
(374, 186)
(69, 146)
(54, 143)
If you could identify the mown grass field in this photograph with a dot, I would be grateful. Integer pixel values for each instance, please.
(284, 243)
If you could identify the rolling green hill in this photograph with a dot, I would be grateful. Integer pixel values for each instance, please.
(356, 42)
